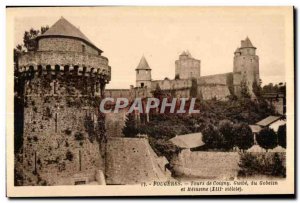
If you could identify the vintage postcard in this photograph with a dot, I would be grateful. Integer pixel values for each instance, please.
(150, 101)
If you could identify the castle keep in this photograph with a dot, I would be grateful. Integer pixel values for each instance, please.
(188, 76)
(63, 78)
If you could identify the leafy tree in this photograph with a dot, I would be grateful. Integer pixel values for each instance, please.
(256, 88)
(243, 136)
(212, 137)
(267, 138)
(244, 89)
(28, 41)
(226, 129)
(130, 129)
(194, 88)
(281, 134)
(278, 167)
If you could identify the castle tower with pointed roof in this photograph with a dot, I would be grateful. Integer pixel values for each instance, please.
(62, 82)
(245, 66)
(143, 74)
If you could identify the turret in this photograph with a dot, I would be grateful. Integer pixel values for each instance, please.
(143, 74)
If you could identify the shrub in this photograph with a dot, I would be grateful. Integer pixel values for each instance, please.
(212, 137)
(281, 134)
(252, 164)
(267, 138)
(243, 136)
(226, 128)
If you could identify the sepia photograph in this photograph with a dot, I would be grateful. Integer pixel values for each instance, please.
(151, 101)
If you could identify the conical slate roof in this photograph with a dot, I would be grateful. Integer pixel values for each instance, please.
(143, 65)
(63, 28)
(246, 43)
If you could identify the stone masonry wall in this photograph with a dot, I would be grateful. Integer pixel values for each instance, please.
(65, 44)
(132, 161)
(62, 131)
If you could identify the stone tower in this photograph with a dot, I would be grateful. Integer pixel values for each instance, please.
(63, 80)
(143, 74)
(245, 66)
(187, 67)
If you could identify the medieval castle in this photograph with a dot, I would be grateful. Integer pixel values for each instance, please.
(188, 71)
(60, 82)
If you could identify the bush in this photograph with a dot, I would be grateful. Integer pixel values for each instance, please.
(281, 134)
(252, 164)
(267, 138)
(243, 136)
(212, 137)
(226, 129)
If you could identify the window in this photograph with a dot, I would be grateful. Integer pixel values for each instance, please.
(137, 72)
(83, 48)
(142, 84)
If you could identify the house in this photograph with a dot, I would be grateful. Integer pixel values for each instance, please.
(272, 122)
(188, 141)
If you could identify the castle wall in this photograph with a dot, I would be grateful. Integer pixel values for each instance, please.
(215, 86)
(133, 161)
(208, 165)
(65, 44)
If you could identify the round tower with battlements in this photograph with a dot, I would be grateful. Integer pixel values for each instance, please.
(63, 79)
(245, 66)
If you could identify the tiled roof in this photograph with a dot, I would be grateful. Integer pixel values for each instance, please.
(64, 28)
(143, 65)
(246, 43)
(267, 121)
(255, 128)
(188, 141)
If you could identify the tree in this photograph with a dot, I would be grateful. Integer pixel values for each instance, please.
(281, 134)
(244, 89)
(256, 88)
(226, 129)
(130, 129)
(243, 136)
(194, 88)
(29, 41)
(266, 138)
(212, 137)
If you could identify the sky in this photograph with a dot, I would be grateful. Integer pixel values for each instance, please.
(211, 35)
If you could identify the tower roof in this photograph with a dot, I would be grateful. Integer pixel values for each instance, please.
(143, 65)
(63, 28)
(247, 43)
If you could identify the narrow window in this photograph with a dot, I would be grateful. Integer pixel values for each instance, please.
(56, 122)
(55, 87)
(142, 84)
(83, 48)
(79, 160)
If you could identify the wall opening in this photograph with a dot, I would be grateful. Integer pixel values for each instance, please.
(142, 84)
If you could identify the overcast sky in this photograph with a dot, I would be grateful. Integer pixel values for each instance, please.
(161, 34)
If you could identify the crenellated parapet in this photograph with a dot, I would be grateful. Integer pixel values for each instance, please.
(65, 63)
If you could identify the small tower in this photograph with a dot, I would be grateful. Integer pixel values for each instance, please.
(187, 67)
(143, 74)
(245, 66)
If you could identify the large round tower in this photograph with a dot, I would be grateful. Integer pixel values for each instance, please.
(64, 77)
(245, 66)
